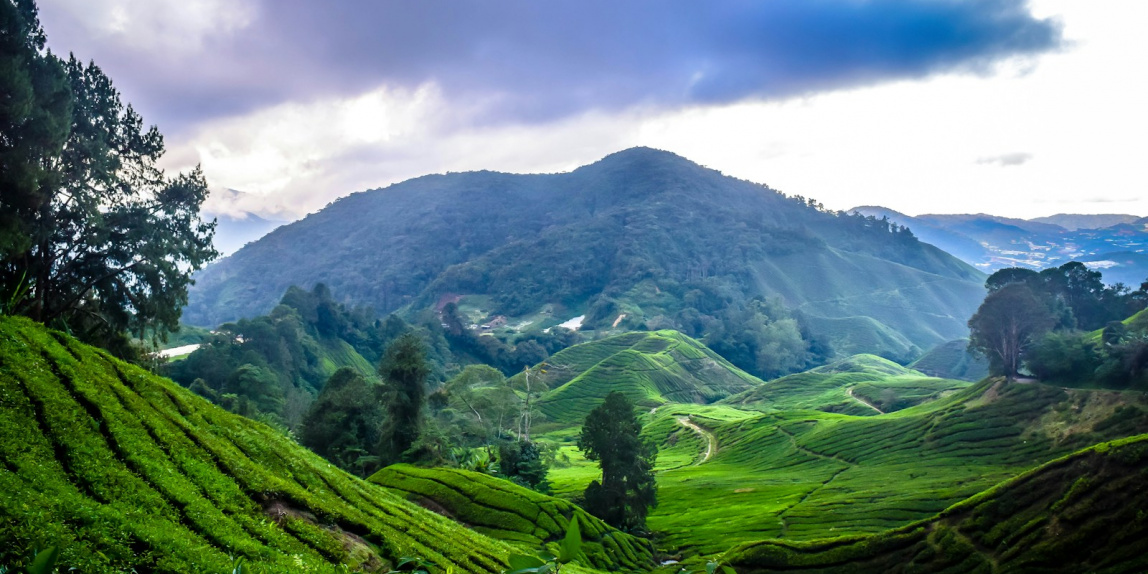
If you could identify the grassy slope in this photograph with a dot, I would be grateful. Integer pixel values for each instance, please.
(651, 368)
(802, 475)
(952, 360)
(1081, 513)
(125, 470)
(503, 510)
(880, 382)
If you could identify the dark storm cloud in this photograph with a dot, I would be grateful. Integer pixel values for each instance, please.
(541, 59)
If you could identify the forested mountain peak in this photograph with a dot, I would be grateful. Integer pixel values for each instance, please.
(642, 239)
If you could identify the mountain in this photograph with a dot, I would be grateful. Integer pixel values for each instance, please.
(125, 471)
(652, 368)
(503, 510)
(1112, 244)
(642, 233)
(1080, 513)
(232, 232)
(1074, 221)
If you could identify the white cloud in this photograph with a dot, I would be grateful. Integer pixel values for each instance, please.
(171, 26)
(912, 146)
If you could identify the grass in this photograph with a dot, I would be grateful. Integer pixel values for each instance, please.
(503, 510)
(802, 475)
(652, 368)
(125, 470)
(1080, 513)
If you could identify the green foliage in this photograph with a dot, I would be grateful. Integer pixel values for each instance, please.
(344, 423)
(404, 370)
(123, 470)
(611, 437)
(522, 462)
(1064, 357)
(1010, 320)
(93, 237)
(504, 510)
(545, 562)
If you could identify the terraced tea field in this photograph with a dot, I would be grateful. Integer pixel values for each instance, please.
(651, 368)
(803, 475)
(124, 470)
(1081, 513)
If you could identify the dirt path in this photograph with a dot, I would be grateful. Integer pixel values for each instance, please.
(849, 392)
(711, 441)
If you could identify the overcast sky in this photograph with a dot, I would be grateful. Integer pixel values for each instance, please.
(924, 106)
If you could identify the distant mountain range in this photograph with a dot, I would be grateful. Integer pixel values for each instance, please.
(643, 239)
(1112, 243)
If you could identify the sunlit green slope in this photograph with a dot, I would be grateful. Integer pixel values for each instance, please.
(651, 368)
(125, 470)
(803, 475)
(952, 360)
(1081, 513)
(862, 385)
(520, 516)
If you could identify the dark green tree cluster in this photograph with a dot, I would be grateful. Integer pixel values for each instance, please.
(611, 435)
(94, 237)
(344, 424)
(1043, 321)
(271, 367)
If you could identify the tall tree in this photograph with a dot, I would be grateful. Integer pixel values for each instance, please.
(1007, 323)
(611, 436)
(343, 423)
(404, 370)
(108, 241)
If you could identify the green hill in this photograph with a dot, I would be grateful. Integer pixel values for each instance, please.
(1081, 513)
(862, 385)
(642, 232)
(652, 368)
(124, 471)
(952, 360)
(503, 510)
(805, 475)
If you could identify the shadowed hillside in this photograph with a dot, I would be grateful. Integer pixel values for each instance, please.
(125, 470)
(642, 233)
(1081, 513)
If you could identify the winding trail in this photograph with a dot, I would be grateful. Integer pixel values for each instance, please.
(711, 440)
(849, 392)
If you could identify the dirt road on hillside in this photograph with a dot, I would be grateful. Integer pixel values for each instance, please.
(711, 441)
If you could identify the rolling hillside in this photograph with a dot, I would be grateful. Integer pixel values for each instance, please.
(862, 385)
(1080, 513)
(806, 475)
(505, 511)
(952, 360)
(124, 470)
(642, 232)
(651, 368)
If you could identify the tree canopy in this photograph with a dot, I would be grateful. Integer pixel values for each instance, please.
(611, 436)
(94, 237)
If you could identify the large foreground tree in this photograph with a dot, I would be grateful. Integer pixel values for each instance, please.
(94, 237)
(611, 436)
(404, 369)
(1009, 321)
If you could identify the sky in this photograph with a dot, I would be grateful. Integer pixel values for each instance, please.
(1014, 108)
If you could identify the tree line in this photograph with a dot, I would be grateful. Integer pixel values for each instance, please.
(1063, 325)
